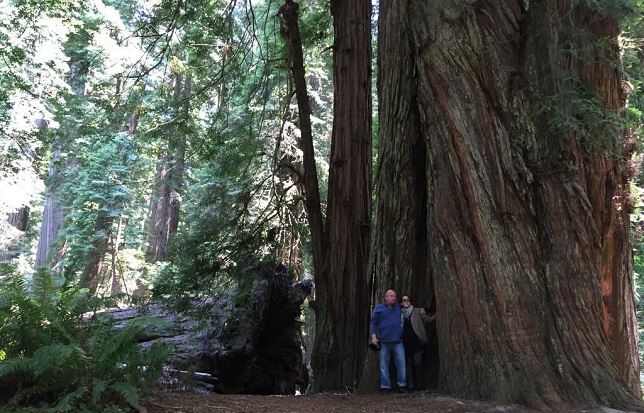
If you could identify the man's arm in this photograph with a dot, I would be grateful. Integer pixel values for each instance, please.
(373, 326)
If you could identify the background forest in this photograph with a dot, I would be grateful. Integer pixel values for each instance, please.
(152, 149)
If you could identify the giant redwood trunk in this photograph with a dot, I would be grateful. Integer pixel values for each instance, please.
(501, 203)
(342, 289)
(340, 248)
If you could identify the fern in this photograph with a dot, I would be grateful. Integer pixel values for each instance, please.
(127, 391)
(52, 355)
(18, 366)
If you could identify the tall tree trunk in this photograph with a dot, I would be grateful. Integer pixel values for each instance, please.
(339, 347)
(52, 220)
(53, 214)
(165, 204)
(182, 102)
(291, 32)
(526, 222)
(340, 249)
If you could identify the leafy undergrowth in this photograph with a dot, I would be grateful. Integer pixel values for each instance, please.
(55, 357)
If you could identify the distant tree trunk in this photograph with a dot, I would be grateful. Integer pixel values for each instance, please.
(17, 220)
(525, 220)
(92, 275)
(53, 214)
(340, 249)
(182, 102)
(286, 237)
(165, 204)
(52, 220)
(93, 271)
(116, 287)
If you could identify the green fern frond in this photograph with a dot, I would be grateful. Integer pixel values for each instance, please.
(128, 392)
(56, 361)
(69, 403)
(97, 391)
(45, 289)
(19, 366)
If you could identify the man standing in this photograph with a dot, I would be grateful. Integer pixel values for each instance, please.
(386, 329)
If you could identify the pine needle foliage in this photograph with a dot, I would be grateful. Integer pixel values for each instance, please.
(60, 356)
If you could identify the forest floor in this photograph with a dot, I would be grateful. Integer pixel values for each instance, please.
(177, 402)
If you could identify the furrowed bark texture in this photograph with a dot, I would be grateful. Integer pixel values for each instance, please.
(338, 350)
(527, 259)
(340, 249)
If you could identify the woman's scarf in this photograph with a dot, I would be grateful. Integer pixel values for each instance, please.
(407, 311)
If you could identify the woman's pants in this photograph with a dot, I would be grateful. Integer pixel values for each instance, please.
(414, 367)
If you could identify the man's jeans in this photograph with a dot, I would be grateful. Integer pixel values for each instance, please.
(399, 358)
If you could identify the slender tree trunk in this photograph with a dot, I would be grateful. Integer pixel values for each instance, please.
(165, 204)
(116, 287)
(156, 226)
(291, 32)
(340, 249)
(525, 220)
(53, 214)
(93, 272)
(51, 221)
(182, 102)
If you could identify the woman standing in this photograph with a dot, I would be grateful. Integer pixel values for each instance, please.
(414, 340)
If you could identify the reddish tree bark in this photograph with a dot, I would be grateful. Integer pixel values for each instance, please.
(525, 220)
(291, 32)
(340, 247)
(339, 351)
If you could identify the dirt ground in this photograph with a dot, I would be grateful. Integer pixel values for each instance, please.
(171, 402)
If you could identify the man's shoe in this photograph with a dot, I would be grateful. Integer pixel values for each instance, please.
(384, 390)
(403, 389)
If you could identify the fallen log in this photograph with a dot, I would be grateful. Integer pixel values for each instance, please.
(249, 343)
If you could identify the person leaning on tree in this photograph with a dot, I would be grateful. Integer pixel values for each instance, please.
(386, 330)
(414, 341)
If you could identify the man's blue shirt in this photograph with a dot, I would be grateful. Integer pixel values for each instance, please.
(386, 323)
